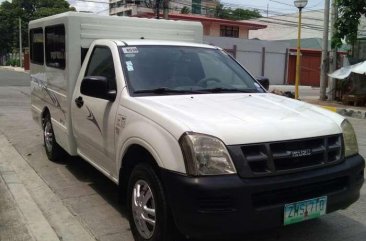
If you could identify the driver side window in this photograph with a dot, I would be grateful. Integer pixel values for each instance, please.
(101, 64)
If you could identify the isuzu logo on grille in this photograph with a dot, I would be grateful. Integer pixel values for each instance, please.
(301, 153)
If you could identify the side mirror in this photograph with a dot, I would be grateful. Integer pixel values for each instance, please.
(97, 86)
(264, 81)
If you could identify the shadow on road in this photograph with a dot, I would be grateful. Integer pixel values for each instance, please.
(106, 188)
(330, 227)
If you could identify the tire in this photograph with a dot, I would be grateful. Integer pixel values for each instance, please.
(53, 150)
(145, 190)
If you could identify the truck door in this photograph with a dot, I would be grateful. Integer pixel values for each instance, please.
(93, 117)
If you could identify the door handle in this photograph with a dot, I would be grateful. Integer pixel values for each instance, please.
(79, 102)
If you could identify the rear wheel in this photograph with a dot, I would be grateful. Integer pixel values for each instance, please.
(147, 206)
(53, 150)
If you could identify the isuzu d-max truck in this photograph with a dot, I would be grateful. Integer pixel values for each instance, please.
(193, 140)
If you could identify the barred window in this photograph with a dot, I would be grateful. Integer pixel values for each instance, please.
(55, 46)
(36, 46)
(229, 31)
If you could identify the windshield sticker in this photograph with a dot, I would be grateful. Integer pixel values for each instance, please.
(129, 65)
(130, 55)
(130, 50)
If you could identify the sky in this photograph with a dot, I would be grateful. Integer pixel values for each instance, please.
(275, 7)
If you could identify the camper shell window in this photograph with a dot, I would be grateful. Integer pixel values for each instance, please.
(55, 46)
(36, 46)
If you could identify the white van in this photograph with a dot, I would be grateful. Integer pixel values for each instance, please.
(192, 138)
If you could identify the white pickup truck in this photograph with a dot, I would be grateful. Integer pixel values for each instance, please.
(197, 144)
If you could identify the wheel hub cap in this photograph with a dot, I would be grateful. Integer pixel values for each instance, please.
(143, 209)
(48, 136)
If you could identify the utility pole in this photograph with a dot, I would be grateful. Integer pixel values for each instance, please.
(166, 9)
(325, 59)
(20, 43)
(157, 6)
(333, 52)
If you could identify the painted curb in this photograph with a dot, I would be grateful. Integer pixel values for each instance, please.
(359, 114)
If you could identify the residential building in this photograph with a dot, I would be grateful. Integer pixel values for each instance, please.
(135, 7)
(129, 7)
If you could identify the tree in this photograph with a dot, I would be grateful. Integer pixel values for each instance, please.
(185, 10)
(235, 14)
(26, 10)
(350, 13)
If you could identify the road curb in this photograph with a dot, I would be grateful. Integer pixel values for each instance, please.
(347, 112)
(359, 114)
(15, 69)
(36, 223)
(45, 214)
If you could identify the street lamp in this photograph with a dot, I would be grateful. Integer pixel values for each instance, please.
(300, 4)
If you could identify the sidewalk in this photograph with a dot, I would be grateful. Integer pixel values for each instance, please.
(29, 208)
(311, 95)
(13, 68)
(345, 110)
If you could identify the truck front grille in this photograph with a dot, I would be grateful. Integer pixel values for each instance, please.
(275, 158)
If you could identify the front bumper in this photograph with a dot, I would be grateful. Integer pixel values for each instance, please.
(229, 205)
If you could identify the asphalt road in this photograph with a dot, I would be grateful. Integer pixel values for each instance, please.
(93, 198)
(13, 78)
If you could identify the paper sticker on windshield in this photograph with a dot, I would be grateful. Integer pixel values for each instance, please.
(130, 50)
(129, 66)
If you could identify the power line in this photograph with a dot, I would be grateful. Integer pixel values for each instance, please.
(270, 20)
(92, 1)
(280, 2)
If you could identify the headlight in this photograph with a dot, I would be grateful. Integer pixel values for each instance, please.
(350, 141)
(205, 155)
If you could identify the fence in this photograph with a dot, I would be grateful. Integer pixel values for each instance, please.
(261, 58)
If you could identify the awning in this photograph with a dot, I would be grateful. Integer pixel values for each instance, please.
(344, 72)
(359, 68)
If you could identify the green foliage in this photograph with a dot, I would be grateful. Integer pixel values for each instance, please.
(235, 14)
(12, 62)
(350, 12)
(26, 10)
(185, 10)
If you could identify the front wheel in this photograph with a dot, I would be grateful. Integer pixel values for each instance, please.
(147, 206)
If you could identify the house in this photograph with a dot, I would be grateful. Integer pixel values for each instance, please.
(202, 11)
(216, 27)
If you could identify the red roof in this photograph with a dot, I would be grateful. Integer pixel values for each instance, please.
(199, 18)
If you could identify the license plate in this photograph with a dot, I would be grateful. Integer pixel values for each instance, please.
(304, 210)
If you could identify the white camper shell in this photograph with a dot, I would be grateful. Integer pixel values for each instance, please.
(66, 39)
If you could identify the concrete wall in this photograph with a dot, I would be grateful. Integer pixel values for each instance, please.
(258, 57)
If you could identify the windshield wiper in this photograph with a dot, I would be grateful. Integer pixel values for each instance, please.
(165, 90)
(228, 90)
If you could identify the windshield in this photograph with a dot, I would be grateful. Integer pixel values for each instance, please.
(157, 70)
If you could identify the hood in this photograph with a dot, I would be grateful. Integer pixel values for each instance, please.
(240, 118)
